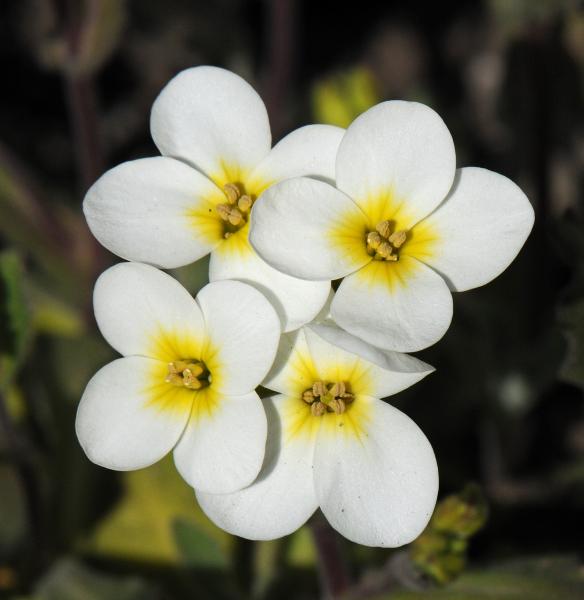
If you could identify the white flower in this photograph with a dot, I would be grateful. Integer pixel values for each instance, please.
(213, 132)
(332, 443)
(403, 228)
(186, 380)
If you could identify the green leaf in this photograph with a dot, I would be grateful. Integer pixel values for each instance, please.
(141, 526)
(71, 580)
(15, 325)
(197, 548)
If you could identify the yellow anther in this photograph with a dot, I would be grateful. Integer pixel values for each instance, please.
(337, 405)
(232, 192)
(374, 239)
(308, 396)
(384, 228)
(337, 390)
(224, 210)
(385, 249)
(191, 374)
(244, 203)
(318, 409)
(397, 238)
(235, 217)
(319, 389)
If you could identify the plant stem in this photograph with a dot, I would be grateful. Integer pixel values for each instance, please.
(332, 565)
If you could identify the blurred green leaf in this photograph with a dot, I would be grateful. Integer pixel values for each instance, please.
(301, 550)
(52, 316)
(15, 326)
(71, 580)
(340, 98)
(197, 548)
(553, 578)
(440, 551)
(140, 527)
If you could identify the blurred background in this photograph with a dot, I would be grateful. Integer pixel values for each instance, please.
(504, 411)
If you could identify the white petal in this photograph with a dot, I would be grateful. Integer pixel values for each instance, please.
(481, 226)
(118, 424)
(243, 331)
(148, 210)
(403, 306)
(402, 151)
(222, 449)
(282, 498)
(378, 489)
(380, 373)
(310, 150)
(135, 304)
(212, 119)
(307, 228)
(296, 301)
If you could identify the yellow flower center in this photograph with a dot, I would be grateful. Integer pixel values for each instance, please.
(325, 397)
(235, 212)
(384, 243)
(188, 373)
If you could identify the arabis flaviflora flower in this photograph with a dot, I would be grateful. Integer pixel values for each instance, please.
(333, 443)
(187, 378)
(403, 227)
(213, 132)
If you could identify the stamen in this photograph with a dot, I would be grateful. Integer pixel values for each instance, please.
(397, 238)
(235, 217)
(384, 228)
(192, 374)
(232, 192)
(383, 243)
(327, 398)
(244, 203)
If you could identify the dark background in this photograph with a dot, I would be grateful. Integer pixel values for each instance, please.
(504, 409)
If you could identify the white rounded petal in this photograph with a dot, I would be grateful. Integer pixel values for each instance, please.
(379, 488)
(136, 304)
(146, 210)
(243, 331)
(403, 306)
(376, 372)
(481, 226)
(307, 228)
(310, 150)
(281, 499)
(401, 150)
(297, 301)
(118, 425)
(212, 119)
(222, 450)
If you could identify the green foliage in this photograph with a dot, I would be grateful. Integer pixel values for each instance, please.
(440, 551)
(340, 98)
(154, 521)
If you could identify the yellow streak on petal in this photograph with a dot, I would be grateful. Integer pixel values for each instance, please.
(168, 346)
(348, 233)
(392, 275)
(165, 397)
(423, 241)
(236, 246)
(385, 205)
(205, 220)
(303, 372)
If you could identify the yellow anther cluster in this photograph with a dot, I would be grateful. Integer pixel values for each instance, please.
(384, 243)
(236, 210)
(327, 397)
(192, 374)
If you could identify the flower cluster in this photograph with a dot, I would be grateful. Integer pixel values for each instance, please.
(379, 208)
